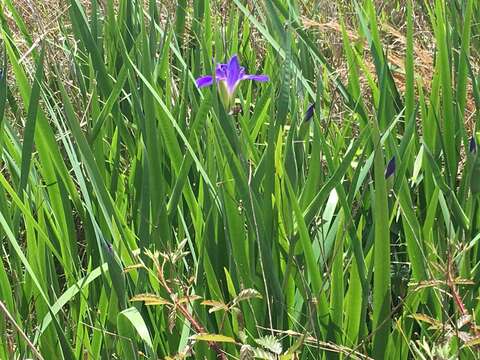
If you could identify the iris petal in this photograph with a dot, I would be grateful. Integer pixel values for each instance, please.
(473, 145)
(391, 166)
(203, 81)
(309, 113)
(234, 74)
(221, 71)
(261, 78)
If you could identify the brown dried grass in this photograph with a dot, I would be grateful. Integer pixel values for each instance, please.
(395, 41)
(42, 19)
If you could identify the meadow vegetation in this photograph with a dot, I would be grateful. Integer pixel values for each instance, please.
(331, 212)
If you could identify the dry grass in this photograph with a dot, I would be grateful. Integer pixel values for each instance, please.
(395, 41)
(42, 19)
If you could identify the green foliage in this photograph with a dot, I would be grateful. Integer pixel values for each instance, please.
(139, 219)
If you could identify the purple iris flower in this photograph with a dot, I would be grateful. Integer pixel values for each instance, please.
(309, 112)
(228, 76)
(473, 145)
(391, 166)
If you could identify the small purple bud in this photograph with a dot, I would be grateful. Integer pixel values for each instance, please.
(109, 247)
(473, 145)
(390, 170)
(309, 112)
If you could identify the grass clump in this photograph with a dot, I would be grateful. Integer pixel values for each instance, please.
(331, 212)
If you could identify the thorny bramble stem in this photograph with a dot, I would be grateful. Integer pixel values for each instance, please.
(195, 324)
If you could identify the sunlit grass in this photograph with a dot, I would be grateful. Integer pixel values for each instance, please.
(140, 217)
